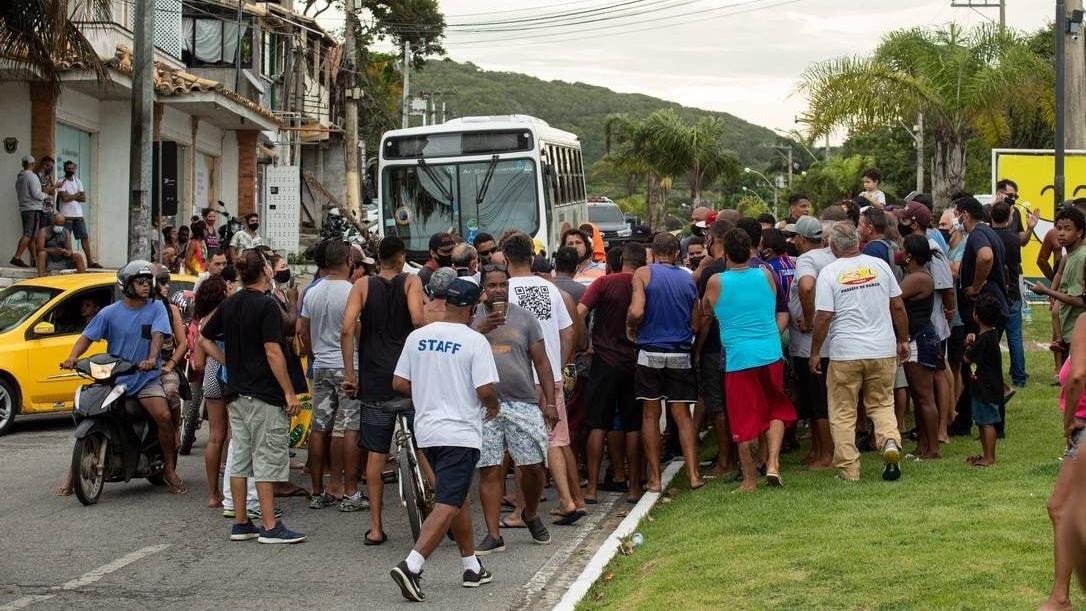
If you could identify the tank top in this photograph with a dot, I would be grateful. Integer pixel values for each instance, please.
(669, 300)
(748, 324)
(919, 312)
(386, 323)
(56, 239)
(1080, 409)
(196, 264)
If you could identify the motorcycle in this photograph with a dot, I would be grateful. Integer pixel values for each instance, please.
(115, 438)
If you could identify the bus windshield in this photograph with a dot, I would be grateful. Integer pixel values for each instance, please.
(463, 198)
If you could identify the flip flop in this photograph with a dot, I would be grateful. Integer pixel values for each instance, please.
(590, 501)
(295, 491)
(773, 480)
(369, 541)
(505, 524)
(571, 518)
(693, 488)
(179, 488)
(507, 505)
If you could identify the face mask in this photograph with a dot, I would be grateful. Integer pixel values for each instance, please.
(945, 233)
(1010, 198)
(58, 228)
(69, 173)
(254, 226)
(282, 276)
(445, 261)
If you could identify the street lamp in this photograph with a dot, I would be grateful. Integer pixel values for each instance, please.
(767, 182)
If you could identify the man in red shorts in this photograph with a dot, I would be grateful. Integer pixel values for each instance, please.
(743, 300)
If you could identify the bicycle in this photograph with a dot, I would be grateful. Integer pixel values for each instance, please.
(416, 491)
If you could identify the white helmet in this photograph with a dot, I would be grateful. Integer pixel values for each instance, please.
(130, 272)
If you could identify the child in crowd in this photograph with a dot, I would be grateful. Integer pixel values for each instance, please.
(986, 376)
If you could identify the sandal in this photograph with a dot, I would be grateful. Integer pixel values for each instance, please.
(369, 541)
(568, 519)
(505, 524)
(177, 488)
(773, 480)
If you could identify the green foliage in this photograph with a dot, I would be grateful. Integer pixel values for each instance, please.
(829, 182)
(963, 81)
(634, 205)
(36, 35)
(577, 107)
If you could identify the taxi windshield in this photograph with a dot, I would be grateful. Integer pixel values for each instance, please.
(17, 303)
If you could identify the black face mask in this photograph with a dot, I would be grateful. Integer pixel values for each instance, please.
(282, 276)
(946, 234)
(69, 173)
(445, 261)
(254, 226)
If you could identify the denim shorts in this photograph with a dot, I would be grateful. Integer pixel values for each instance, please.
(985, 414)
(1076, 439)
(925, 348)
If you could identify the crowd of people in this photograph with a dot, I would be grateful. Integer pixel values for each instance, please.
(758, 333)
(51, 212)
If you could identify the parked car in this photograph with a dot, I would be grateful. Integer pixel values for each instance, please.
(40, 320)
(608, 217)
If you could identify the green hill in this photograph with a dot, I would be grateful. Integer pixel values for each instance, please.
(577, 107)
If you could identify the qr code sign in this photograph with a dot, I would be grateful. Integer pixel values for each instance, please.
(535, 299)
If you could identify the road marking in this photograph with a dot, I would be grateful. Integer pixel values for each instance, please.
(87, 578)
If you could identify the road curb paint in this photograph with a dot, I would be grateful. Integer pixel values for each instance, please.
(603, 555)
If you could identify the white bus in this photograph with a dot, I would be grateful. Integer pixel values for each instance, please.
(480, 175)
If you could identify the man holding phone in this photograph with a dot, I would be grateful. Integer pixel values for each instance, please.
(522, 425)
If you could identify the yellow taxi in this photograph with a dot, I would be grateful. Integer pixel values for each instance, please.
(40, 320)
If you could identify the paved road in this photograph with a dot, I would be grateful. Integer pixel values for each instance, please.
(141, 547)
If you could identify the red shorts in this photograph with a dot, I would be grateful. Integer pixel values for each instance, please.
(755, 398)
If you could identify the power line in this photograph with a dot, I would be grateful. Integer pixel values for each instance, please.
(656, 21)
(525, 42)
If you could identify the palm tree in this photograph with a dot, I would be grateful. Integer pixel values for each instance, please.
(962, 81)
(38, 36)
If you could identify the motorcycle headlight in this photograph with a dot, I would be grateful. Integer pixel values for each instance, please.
(102, 372)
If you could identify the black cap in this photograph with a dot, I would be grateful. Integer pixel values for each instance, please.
(439, 241)
(463, 293)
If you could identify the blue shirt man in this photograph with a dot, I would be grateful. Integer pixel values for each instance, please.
(128, 332)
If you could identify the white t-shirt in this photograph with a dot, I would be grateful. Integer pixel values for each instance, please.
(445, 362)
(323, 305)
(807, 264)
(545, 301)
(71, 186)
(243, 240)
(858, 291)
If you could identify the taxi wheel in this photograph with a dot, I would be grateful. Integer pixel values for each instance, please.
(9, 405)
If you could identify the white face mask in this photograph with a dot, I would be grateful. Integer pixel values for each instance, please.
(58, 228)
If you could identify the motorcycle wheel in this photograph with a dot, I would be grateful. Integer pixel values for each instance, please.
(89, 467)
(190, 422)
(413, 500)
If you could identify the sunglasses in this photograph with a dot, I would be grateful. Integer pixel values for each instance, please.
(487, 253)
(495, 267)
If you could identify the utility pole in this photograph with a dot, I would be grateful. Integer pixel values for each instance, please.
(1061, 69)
(920, 152)
(406, 83)
(139, 158)
(979, 4)
(1075, 78)
(350, 109)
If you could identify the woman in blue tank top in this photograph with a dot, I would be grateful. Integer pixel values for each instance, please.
(743, 300)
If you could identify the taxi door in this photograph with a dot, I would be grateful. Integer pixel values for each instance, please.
(52, 389)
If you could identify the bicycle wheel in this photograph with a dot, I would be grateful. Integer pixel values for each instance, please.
(409, 490)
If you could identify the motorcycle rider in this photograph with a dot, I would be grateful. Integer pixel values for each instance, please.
(134, 329)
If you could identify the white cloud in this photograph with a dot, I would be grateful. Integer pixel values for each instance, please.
(745, 64)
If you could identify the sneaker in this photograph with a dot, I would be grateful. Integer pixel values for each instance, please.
(228, 512)
(891, 455)
(490, 545)
(254, 513)
(244, 532)
(280, 534)
(410, 583)
(18, 262)
(322, 500)
(356, 502)
(474, 580)
(540, 534)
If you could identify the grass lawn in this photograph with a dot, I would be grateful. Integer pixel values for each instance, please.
(945, 536)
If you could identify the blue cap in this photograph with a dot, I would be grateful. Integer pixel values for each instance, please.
(463, 293)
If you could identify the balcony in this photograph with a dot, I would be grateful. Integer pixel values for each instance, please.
(106, 36)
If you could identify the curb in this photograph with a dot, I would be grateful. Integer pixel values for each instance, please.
(592, 571)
